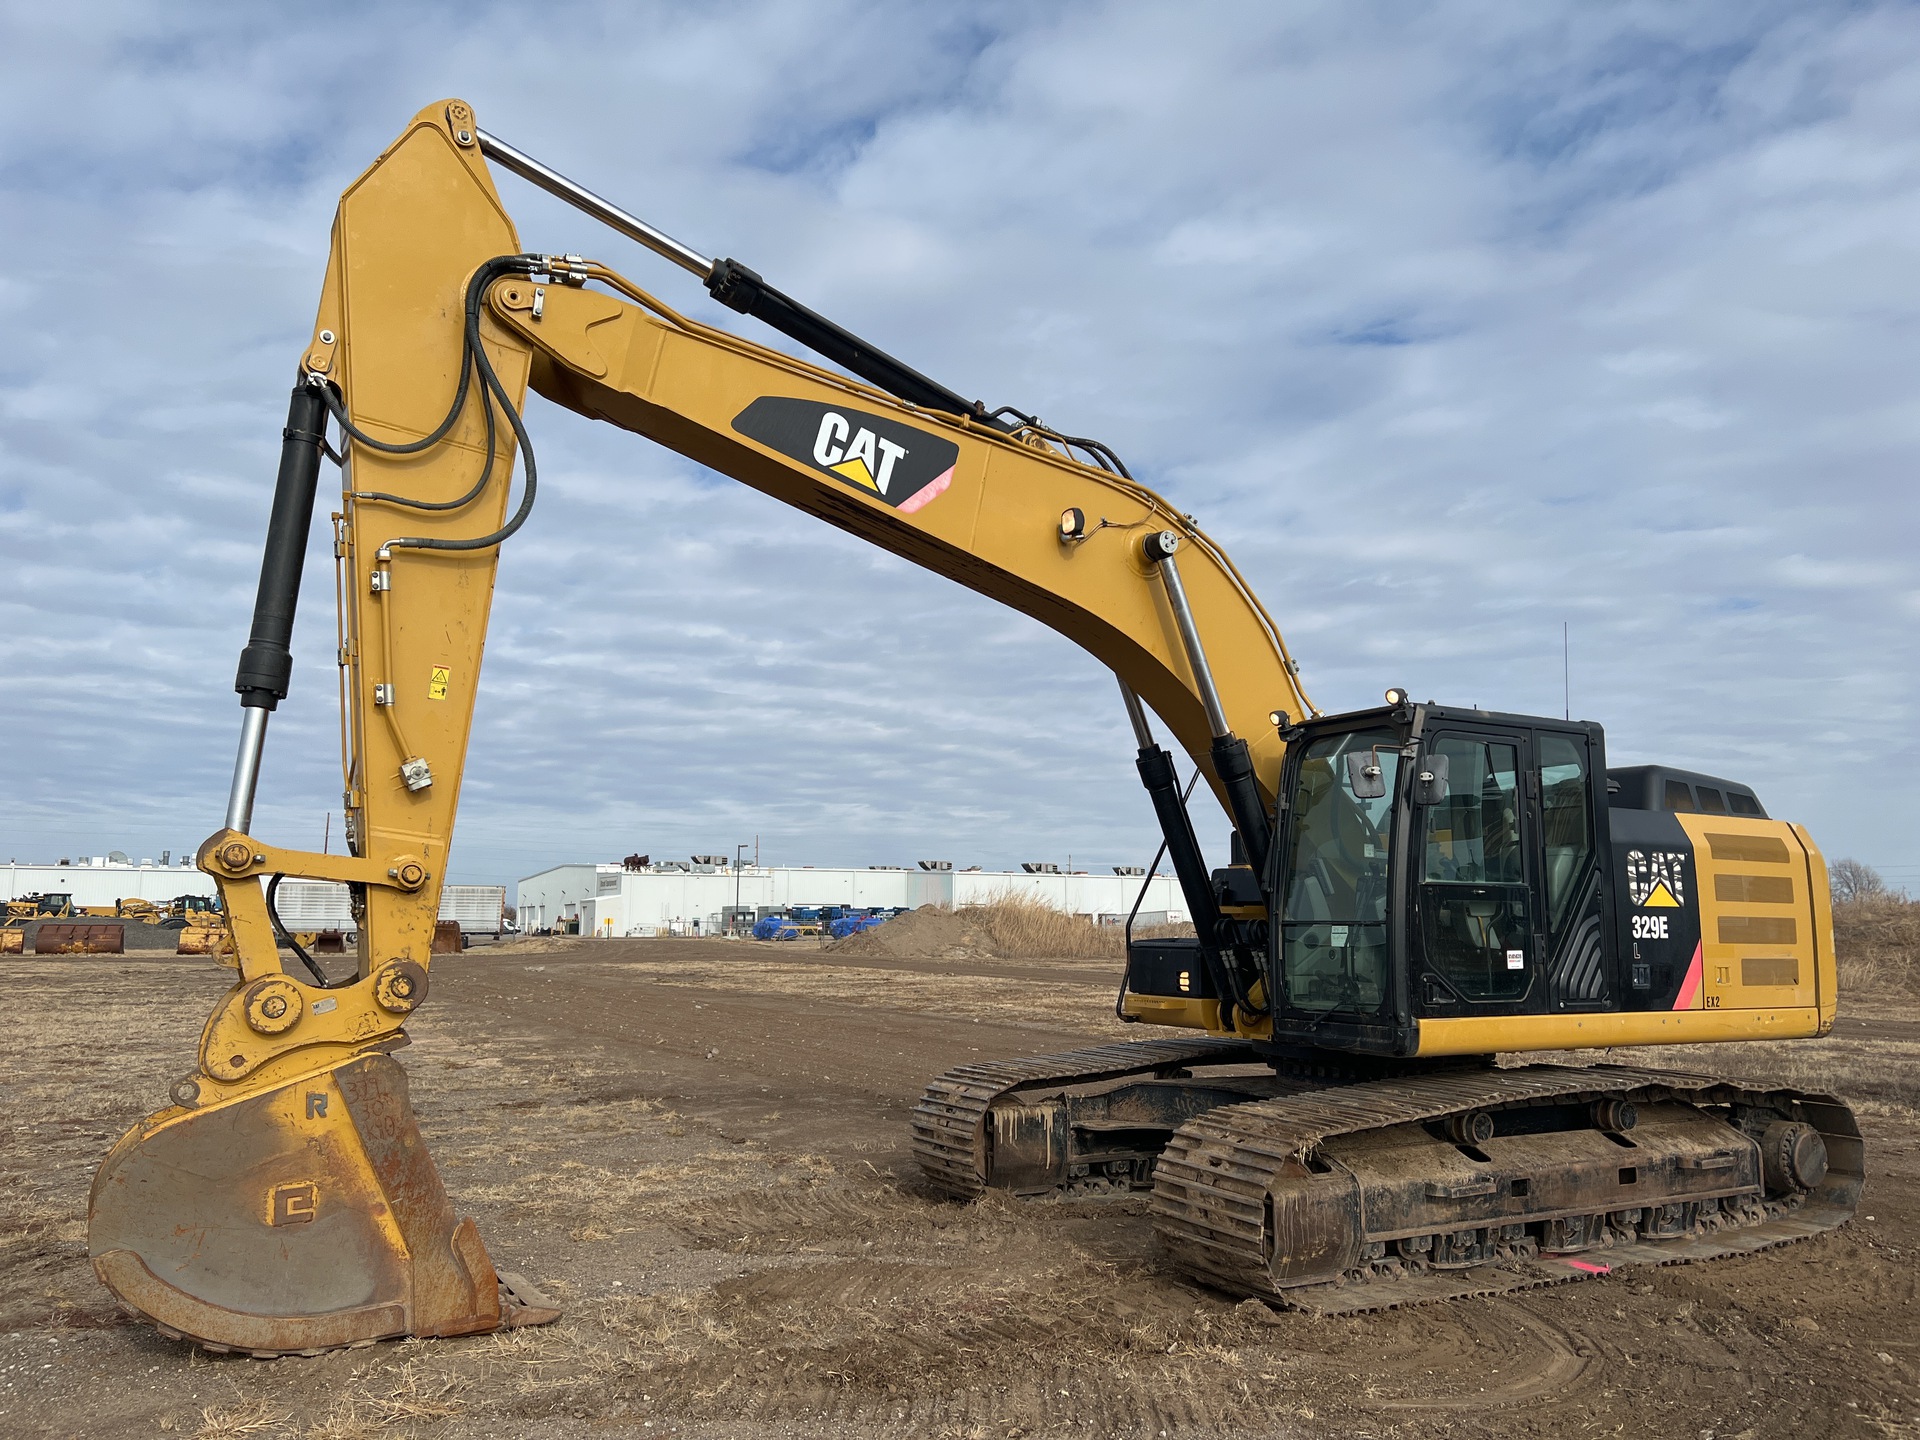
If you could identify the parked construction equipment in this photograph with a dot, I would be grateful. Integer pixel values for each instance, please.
(202, 924)
(53, 905)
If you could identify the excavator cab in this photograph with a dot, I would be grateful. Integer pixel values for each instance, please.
(1438, 863)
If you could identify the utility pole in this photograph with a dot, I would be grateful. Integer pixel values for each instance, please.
(739, 851)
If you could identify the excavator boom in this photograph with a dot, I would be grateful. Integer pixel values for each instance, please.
(285, 1201)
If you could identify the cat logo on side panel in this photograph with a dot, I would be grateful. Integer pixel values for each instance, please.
(1657, 879)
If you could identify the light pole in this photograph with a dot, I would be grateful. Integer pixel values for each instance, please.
(738, 852)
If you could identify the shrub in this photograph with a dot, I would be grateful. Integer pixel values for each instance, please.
(1876, 939)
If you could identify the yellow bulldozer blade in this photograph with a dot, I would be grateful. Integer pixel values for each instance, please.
(199, 937)
(294, 1220)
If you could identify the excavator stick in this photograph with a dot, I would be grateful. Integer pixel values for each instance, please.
(286, 1202)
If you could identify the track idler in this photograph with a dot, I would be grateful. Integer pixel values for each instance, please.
(294, 1219)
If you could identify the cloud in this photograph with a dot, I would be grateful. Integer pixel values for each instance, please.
(1450, 329)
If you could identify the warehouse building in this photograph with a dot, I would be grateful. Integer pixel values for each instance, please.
(109, 879)
(707, 896)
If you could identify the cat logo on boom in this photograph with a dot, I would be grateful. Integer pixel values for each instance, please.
(896, 464)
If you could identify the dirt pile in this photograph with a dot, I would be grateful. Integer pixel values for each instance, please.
(1015, 927)
(536, 944)
(933, 932)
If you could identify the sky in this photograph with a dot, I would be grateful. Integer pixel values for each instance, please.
(1454, 323)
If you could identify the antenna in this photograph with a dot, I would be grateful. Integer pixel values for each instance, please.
(1566, 671)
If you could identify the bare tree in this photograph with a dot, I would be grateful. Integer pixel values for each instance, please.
(1852, 880)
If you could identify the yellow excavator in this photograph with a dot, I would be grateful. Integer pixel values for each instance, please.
(1412, 889)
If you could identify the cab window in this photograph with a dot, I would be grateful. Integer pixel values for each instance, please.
(1568, 826)
(1474, 833)
(1334, 930)
(1475, 909)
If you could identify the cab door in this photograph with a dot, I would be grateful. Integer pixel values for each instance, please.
(1475, 868)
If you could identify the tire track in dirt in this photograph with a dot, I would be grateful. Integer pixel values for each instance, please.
(1555, 1365)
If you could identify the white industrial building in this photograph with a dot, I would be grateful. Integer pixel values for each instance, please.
(303, 904)
(101, 880)
(697, 899)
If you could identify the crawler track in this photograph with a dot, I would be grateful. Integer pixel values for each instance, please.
(1344, 1192)
(949, 1123)
(1224, 1185)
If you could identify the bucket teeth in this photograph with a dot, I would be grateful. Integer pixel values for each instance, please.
(522, 1305)
(300, 1218)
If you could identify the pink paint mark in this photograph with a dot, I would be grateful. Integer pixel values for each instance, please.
(927, 493)
(1689, 987)
(1590, 1267)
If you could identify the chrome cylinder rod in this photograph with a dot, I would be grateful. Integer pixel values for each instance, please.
(1160, 548)
(246, 768)
(1137, 713)
(581, 198)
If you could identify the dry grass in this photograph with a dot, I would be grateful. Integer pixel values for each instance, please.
(1876, 940)
(233, 1422)
(384, 1396)
(1875, 1077)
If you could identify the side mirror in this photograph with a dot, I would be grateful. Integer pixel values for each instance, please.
(1364, 776)
(1430, 780)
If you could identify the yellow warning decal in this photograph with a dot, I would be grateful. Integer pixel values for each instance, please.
(1660, 898)
(856, 470)
(437, 685)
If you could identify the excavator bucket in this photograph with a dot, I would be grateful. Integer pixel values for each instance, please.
(295, 1220)
(13, 942)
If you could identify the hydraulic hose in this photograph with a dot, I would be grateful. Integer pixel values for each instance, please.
(473, 358)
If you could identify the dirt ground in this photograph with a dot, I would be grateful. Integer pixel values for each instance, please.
(700, 1148)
